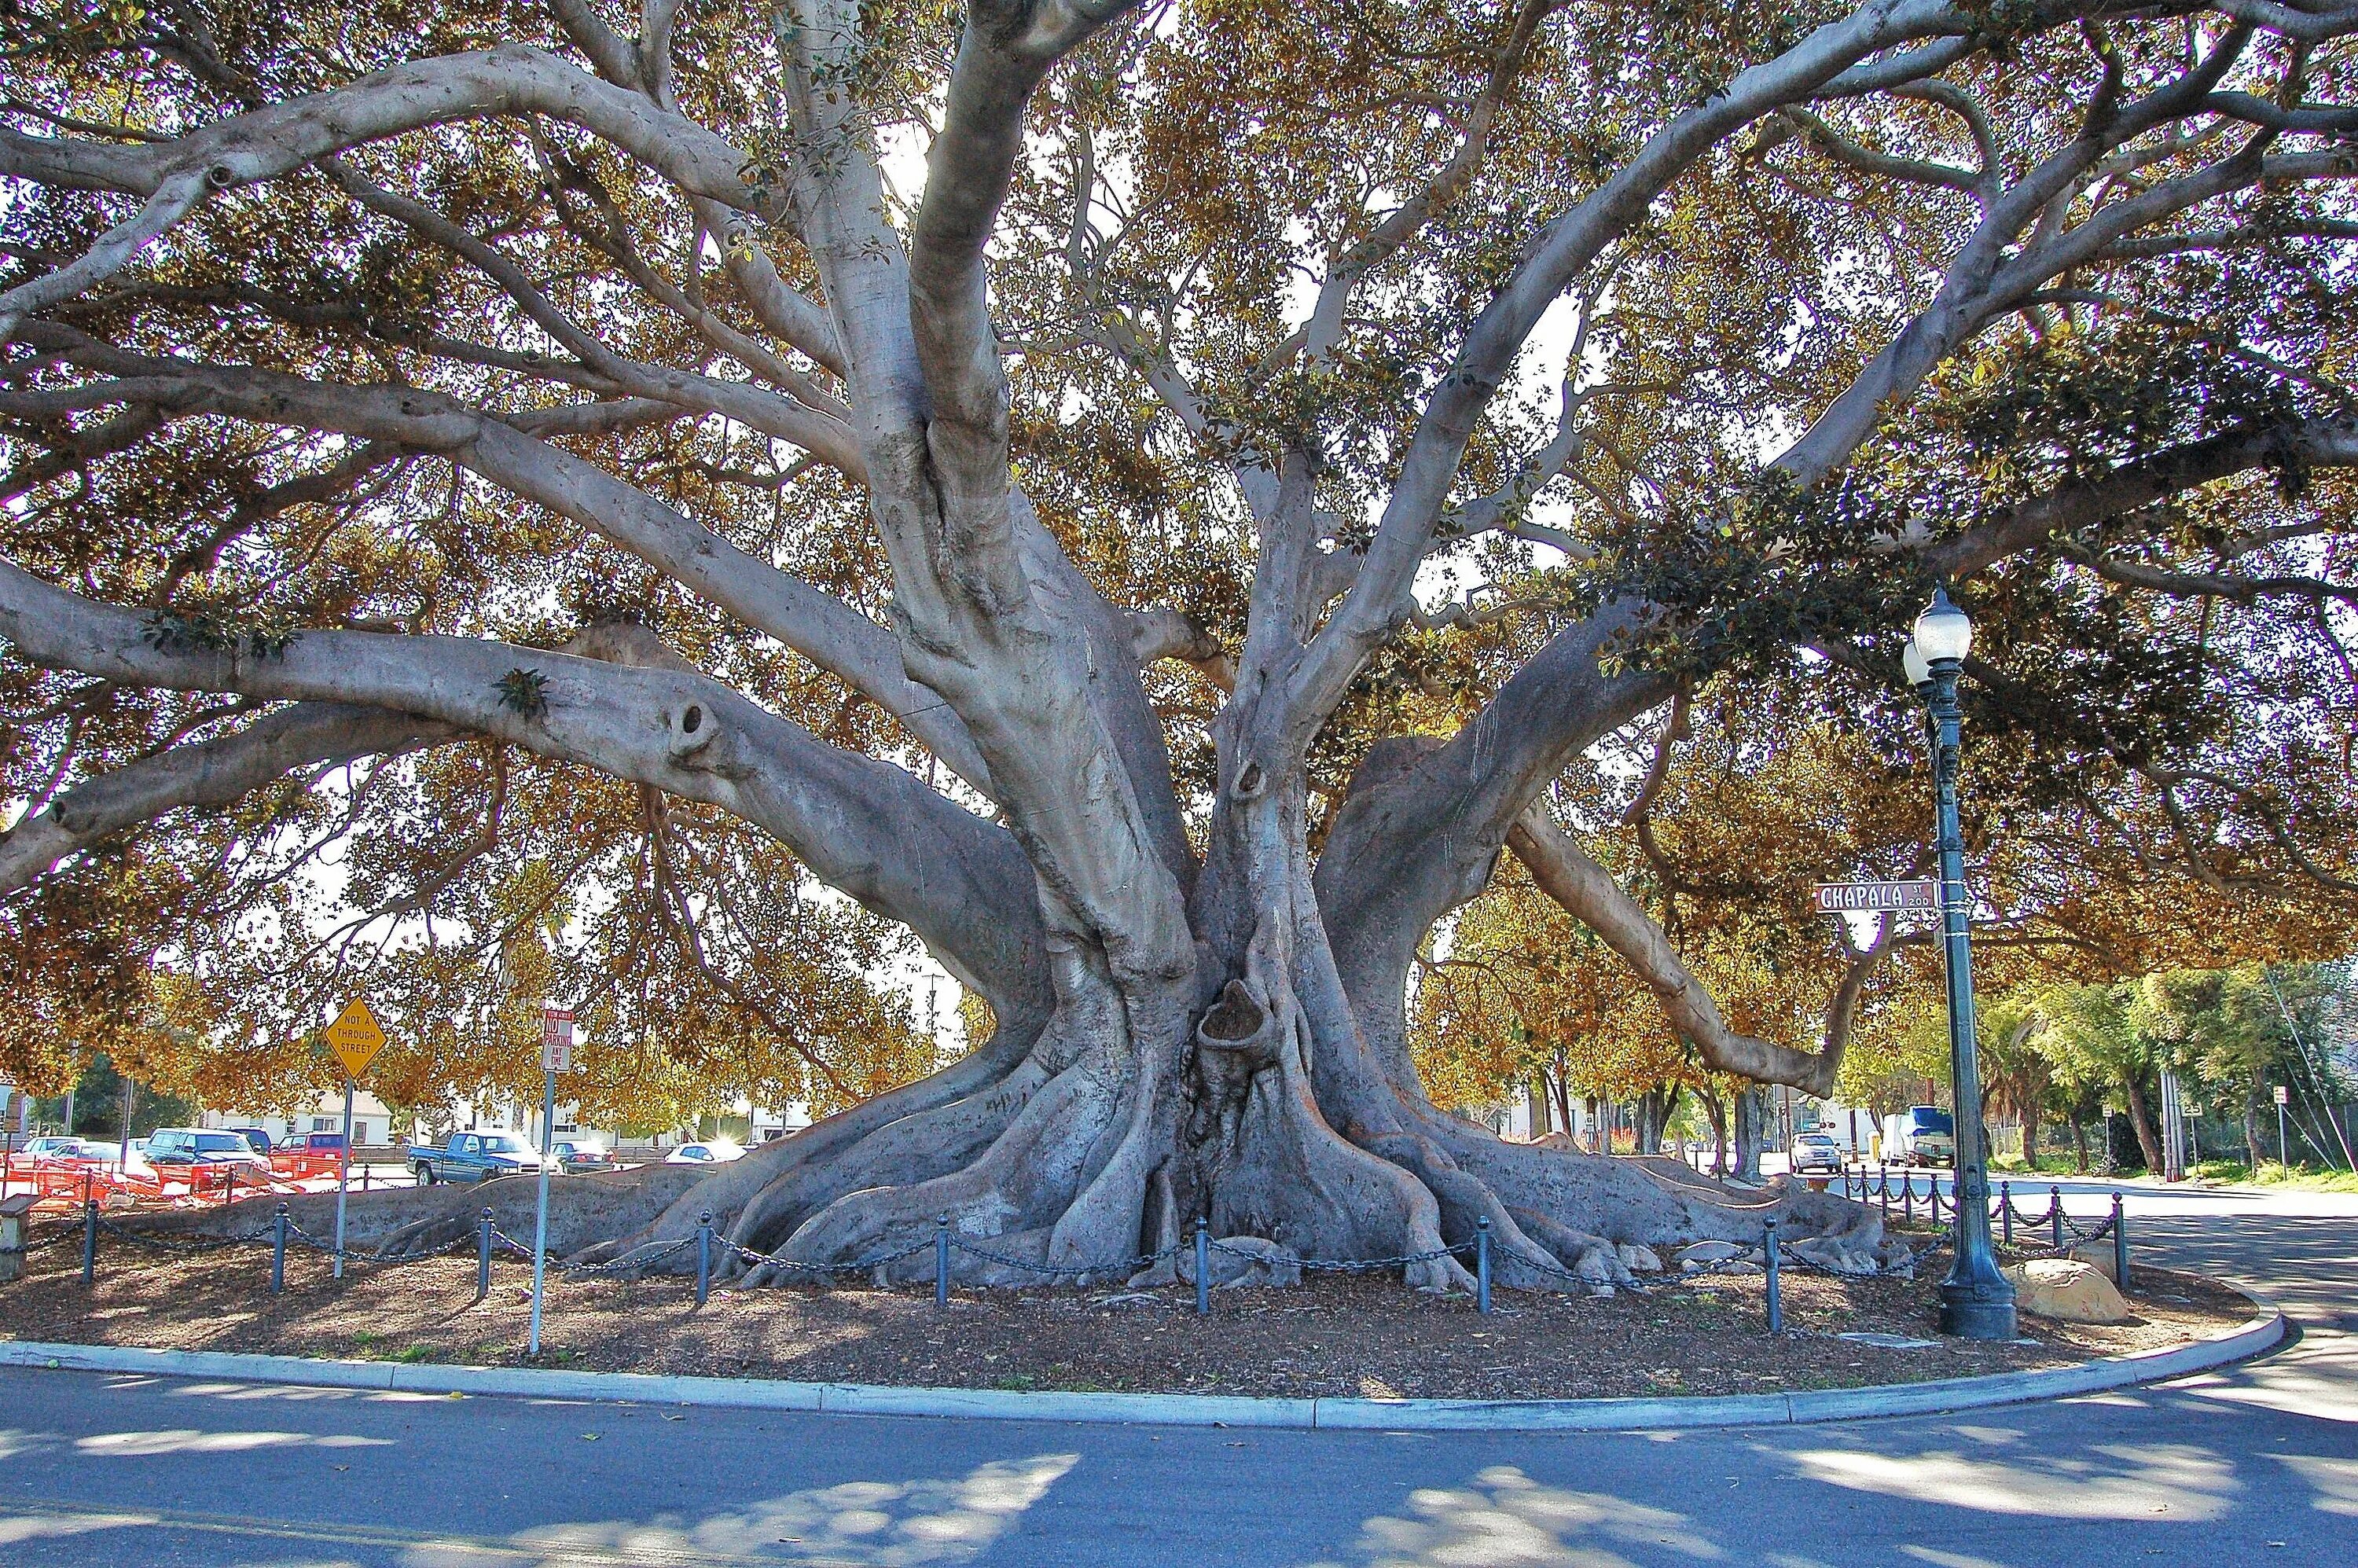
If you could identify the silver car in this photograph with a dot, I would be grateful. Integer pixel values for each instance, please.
(1814, 1151)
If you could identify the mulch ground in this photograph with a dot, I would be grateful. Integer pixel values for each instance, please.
(1332, 1337)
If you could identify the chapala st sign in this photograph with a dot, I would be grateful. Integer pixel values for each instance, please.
(1876, 898)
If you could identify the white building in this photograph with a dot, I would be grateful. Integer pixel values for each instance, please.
(372, 1120)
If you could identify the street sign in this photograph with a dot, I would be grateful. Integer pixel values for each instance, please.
(355, 1038)
(1875, 898)
(555, 1040)
(2283, 1094)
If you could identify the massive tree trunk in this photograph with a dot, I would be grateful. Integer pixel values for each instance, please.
(1259, 1090)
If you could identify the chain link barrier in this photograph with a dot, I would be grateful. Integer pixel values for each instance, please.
(795, 1266)
(1751, 1263)
(1351, 1265)
(66, 1231)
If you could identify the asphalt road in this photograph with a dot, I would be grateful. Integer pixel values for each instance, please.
(2256, 1465)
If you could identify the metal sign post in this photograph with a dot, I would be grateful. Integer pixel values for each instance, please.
(2284, 1097)
(556, 1056)
(355, 1039)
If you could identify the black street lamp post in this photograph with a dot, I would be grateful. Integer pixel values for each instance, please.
(1976, 1301)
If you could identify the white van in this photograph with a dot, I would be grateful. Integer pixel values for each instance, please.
(1851, 1127)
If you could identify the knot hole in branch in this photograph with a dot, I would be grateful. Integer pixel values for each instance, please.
(1250, 782)
(694, 733)
(1235, 1018)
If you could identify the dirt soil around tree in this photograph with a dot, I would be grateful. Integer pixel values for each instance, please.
(1332, 1337)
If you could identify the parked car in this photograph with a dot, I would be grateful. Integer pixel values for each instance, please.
(255, 1136)
(1814, 1151)
(574, 1155)
(62, 1151)
(714, 1151)
(475, 1157)
(176, 1148)
(327, 1145)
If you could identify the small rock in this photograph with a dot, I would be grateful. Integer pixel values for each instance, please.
(1639, 1260)
(1822, 1253)
(2098, 1254)
(1710, 1253)
(2067, 1292)
(1594, 1267)
(1604, 1291)
(1742, 1266)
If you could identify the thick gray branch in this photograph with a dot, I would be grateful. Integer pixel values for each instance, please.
(2319, 443)
(1007, 47)
(265, 143)
(1987, 272)
(817, 430)
(1569, 245)
(815, 625)
(1589, 893)
(864, 827)
(170, 203)
(206, 773)
(2309, 25)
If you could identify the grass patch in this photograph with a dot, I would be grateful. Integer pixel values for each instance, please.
(2046, 1166)
(2293, 1178)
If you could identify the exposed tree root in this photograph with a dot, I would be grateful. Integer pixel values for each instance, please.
(1105, 1135)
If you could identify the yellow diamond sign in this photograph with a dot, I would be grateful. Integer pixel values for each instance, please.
(355, 1038)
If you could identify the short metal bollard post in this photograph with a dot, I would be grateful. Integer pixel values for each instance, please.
(229, 1186)
(484, 1256)
(89, 1241)
(1908, 1198)
(1776, 1297)
(703, 1255)
(2120, 1244)
(2055, 1214)
(1883, 1191)
(1482, 1264)
(278, 1251)
(942, 1261)
(1203, 1267)
(2005, 1212)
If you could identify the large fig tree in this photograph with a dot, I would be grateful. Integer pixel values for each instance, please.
(1152, 499)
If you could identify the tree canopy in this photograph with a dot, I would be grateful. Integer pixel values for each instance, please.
(1149, 501)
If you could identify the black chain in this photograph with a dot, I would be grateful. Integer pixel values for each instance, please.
(299, 1236)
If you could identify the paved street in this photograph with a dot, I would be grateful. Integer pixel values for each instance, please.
(2259, 1466)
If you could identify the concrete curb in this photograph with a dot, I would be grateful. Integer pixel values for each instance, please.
(2258, 1333)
